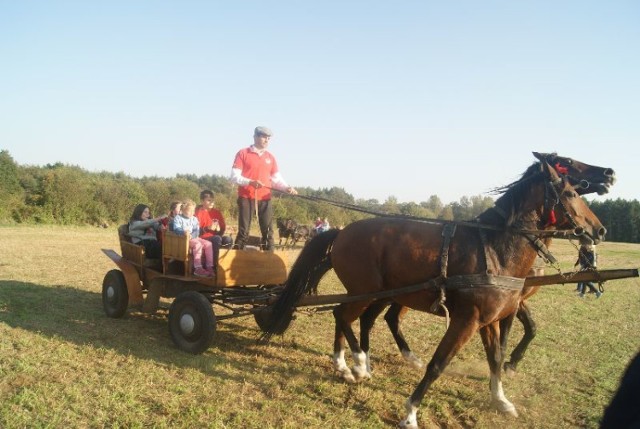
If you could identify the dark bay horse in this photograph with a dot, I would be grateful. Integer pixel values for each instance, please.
(291, 231)
(586, 179)
(286, 230)
(381, 254)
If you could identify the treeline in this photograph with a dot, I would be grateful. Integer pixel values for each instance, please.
(70, 195)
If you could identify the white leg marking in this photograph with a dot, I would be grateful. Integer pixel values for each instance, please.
(368, 354)
(498, 399)
(411, 421)
(412, 359)
(340, 365)
(360, 366)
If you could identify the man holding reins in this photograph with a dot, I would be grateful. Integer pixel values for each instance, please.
(255, 171)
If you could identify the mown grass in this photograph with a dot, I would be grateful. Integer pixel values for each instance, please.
(63, 363)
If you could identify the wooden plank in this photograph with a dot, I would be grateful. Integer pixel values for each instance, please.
(254, 267)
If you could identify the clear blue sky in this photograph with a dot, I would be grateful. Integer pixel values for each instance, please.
(406, 99)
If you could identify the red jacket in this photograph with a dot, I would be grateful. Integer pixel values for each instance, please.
(256, 167)
(204, 220)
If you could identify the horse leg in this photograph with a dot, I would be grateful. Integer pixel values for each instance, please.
(524, 316)
(367, 320)
(393, 317)
(492, 342)
(458, 334)
(344, 315)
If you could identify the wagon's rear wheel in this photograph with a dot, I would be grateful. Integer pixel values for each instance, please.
(192, 324)
(115, 297)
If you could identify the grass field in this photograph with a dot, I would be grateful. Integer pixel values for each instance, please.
(64, 364)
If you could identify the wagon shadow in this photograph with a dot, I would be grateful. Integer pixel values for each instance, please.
(77, 316)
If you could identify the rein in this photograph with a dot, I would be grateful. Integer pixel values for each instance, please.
(564, 233)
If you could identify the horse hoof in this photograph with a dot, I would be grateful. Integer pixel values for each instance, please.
(405, 424)
(506, 408)
(509, 369)
(414, 361)
(349, 378)
(361, 375)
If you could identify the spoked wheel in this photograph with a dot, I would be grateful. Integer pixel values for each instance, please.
(192, 324)
(115, 297)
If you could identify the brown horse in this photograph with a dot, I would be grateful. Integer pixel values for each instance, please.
(480, 271)
(586, 179)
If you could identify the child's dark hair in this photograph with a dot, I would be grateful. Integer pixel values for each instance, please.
(137, 212)
(206, 193)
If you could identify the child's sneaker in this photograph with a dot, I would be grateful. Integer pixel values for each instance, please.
(200, 272)
(211, 272)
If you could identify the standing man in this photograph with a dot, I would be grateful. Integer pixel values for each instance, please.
(255, 171)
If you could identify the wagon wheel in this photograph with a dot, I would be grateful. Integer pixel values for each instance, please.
(192, 324)
(115, 297)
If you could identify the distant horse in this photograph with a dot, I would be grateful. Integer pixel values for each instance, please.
(586, 179)
(286, 230)
(301, 234)
(473, 273)
(292, 232)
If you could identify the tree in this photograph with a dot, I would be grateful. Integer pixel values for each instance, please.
(11, 193)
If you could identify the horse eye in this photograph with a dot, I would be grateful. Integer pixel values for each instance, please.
(570, 193)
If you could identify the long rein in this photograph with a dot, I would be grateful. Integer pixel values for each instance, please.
(563, 233)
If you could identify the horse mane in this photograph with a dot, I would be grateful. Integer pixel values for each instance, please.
(513, 196)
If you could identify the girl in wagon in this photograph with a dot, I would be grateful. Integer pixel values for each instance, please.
(187, 222)
(143, 228)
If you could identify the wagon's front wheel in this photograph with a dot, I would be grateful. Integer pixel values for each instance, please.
(115, 297)
(192, 324)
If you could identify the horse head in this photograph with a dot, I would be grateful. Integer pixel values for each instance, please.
(585, 178)
(544, 199)
(563, 208)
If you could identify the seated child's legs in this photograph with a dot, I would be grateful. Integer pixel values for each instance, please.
(208, 253)
(195, 245)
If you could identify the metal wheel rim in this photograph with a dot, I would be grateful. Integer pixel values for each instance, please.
(187, 324)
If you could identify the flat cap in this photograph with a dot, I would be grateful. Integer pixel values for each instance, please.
(262, 131)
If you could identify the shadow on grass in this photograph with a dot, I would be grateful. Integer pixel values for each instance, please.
(77, 316)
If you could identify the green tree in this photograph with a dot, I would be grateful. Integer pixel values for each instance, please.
(11, 193)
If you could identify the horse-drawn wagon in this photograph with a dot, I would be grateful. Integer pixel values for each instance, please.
(246, 282)
(480, 269)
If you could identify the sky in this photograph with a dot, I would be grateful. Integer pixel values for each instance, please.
(403, 99)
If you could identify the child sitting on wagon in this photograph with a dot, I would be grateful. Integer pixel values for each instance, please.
(143, 228)
(187, 222)
(167, 222)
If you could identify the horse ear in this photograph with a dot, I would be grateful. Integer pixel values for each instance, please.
(541, 156)
(551, 171)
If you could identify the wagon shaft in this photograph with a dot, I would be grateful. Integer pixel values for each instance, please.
(572, 277)
(581, 276)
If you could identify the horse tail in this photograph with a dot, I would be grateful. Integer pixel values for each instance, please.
(312, 263)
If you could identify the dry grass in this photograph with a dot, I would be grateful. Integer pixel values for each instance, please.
(64, 364)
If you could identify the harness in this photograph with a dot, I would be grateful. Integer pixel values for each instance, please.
(551, 201)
